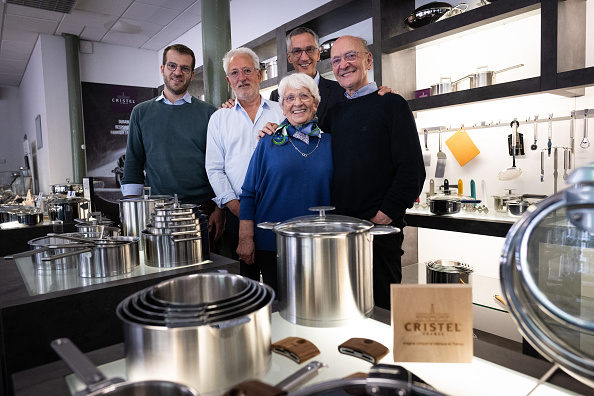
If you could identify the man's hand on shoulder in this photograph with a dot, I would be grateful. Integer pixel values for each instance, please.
(384, 90)
(268, 129)
(228, 104)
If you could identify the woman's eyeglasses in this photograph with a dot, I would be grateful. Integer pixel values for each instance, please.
(290, 99)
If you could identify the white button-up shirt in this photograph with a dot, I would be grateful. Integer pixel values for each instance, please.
(230, 143)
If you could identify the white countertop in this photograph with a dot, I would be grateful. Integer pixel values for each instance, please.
(477, 378)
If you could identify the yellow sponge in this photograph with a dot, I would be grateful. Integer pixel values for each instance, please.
(462, 147)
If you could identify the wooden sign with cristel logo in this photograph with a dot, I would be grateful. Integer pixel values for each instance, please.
(432, 323)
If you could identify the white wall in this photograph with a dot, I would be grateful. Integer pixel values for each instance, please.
(114, 64)
(11, 130)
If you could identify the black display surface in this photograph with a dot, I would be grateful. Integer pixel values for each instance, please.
(86, 315)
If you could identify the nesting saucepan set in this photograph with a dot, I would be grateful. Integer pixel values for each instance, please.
(185, 329)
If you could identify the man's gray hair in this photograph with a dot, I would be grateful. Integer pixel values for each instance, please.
(240, 51)
(296, 81)
(302, 30)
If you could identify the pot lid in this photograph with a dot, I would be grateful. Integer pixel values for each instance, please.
(509, 195)
(322, 224)
(547, 272)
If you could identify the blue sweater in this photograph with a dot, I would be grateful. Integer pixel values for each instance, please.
(281, 184)
(169, 144)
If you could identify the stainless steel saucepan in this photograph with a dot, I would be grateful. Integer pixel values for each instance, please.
(97, 384)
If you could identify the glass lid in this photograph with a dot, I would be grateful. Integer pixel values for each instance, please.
(547, 275)
(322, 224)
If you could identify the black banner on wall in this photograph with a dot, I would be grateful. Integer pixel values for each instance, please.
(106, 110)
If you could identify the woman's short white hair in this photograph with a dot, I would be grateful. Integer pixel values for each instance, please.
(240, 51)
(296, 81)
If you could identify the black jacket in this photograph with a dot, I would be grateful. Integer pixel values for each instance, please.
(330, 92)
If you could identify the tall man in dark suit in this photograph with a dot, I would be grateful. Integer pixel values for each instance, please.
(303, 52)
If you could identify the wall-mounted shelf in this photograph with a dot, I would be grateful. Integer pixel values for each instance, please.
(497, 91)
(468, 20)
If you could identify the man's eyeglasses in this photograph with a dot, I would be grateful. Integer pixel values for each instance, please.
(350, 57)
(296, 52)
(247, 71)
(173, 67)
(290, 99)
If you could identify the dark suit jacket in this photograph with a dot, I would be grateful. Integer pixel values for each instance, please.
(330, 92)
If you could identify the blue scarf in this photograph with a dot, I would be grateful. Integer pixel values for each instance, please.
(301, 132)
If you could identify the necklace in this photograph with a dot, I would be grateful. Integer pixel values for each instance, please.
(303, 154)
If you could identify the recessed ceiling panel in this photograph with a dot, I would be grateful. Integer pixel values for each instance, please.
(149, 13)
(107, 7)
(30, 24)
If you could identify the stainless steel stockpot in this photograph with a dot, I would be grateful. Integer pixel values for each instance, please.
(135, 213)
(325, 276)
(448, 271)
(210, 357)
(67, 209)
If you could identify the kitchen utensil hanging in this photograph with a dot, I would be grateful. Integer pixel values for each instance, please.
(534, 146)
(513, 172)
(441, 161)
(585, 142)
(462, 146)
(426, 152)
(519, 142)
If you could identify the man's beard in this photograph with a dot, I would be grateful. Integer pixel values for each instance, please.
(179, 91)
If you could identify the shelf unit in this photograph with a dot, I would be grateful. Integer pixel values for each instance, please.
(391, 36)
(395, 39)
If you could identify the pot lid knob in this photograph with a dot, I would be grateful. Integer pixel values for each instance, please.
(580, 196)
(321, 209)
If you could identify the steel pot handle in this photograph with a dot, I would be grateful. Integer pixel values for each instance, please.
(27, 253)
(67, 254)
(384, 229)
(267, 225)
(81, 365)
(176, 240)
(509, 68)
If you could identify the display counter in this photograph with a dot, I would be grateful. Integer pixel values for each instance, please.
(493, 371)
(37, 307)
(492, 223)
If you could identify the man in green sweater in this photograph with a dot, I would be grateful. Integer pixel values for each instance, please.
(167, 141)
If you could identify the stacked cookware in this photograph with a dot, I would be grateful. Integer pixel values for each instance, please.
(209, 331)
(135, 212)
(177, 235)
(94, 254)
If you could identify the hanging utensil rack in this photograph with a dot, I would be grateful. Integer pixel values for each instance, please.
(586, 113)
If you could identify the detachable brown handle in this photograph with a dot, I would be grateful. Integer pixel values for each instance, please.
(364, 348)
(295, 348)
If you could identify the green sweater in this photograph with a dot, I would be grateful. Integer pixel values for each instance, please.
(169, 143)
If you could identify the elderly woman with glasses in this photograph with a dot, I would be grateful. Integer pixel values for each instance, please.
(290, 171)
